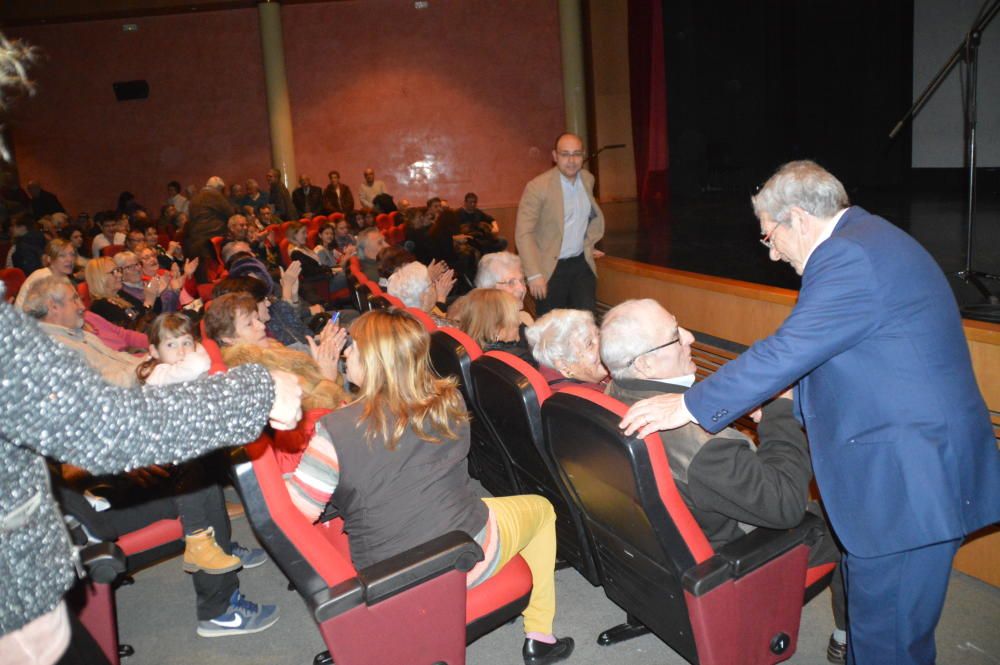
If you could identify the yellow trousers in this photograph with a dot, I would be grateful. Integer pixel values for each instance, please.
(527, 526)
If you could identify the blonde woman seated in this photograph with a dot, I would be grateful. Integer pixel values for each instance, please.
(565, 344)
(394, 463)
(108, 300)
(233, 321)
(491, 317)
(59, 258)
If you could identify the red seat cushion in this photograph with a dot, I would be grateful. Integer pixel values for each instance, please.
(512, 582)
(153, 535)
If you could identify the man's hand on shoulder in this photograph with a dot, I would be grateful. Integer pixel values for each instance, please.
(654, 414)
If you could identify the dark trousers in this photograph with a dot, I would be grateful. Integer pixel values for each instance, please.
(573, 285)
(212, 591)
(826, 551)
(894, 603)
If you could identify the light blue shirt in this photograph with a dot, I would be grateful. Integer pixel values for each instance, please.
(576, 216)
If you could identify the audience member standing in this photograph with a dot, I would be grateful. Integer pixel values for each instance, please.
(42, 202)
(175, 198)
(558, 223)
(308, 200)
(369, 189)
(337, 196)
(210, 213)
(278, 196)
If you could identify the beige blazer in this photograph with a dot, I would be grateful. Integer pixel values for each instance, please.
(539, 228)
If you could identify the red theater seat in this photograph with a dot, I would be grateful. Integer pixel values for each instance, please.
(13, 278)
(84, 292)
(738, 604)
(510, 394)
(452, 354)
(111, 250)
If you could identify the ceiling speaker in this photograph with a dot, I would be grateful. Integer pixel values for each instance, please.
(126, 90)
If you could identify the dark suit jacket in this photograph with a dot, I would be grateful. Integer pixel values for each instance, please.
(725, 481)
(209, 211)
(45, 203)
(901, 440)
(313, 203)
(344, 205)
(281, 202)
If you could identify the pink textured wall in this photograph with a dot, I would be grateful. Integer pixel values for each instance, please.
(465, 94)
(206, 112)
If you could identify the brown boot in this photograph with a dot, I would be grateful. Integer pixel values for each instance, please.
(201, 552)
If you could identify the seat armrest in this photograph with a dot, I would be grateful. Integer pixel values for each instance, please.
(744, 555)
(103, 561)
(383, 580)
(452, 551)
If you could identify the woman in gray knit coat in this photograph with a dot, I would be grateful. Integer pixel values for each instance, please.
(53, 405)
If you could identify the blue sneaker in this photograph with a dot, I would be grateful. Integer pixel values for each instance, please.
(241, 618)
(251, 557)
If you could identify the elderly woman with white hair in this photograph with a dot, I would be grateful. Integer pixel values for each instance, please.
(565, 344)
(503, 270)
(413, 285)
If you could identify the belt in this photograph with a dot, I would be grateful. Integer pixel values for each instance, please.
(18, 517)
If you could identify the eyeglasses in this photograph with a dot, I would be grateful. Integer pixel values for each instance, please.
(765, 238)
(657, 348)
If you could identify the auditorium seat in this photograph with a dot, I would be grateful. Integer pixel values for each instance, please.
(739, 604)
(111, 250)
(217, 242)
(424, 318)
(452, 354)
(283, 251)
(93, 600)
(382, 222)
(510, 394)
(84, 292)
(13, 278)
(411, 608)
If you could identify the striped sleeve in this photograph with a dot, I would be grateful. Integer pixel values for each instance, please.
(315, 479)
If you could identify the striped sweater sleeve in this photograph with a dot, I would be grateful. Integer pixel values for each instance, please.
(314, 480)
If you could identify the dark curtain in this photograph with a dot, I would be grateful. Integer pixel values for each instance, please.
(647, 78)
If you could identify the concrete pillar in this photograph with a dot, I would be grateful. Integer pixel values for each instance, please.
(574, 82)
(279, 111)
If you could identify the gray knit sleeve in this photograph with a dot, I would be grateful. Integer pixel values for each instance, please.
(53, 403)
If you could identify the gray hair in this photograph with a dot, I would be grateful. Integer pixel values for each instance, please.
(625, 334)
(491, 266)
(805, 184)
(364, 234)
(551, 337)
(215, 182)
(234, 247)
(42, 292)
(409, 284)
(123, 257)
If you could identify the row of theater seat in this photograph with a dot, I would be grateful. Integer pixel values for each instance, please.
(620, 521)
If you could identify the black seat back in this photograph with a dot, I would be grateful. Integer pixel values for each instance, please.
(510, 394)
(452, 354)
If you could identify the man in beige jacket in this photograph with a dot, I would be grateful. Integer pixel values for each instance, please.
(558, 223)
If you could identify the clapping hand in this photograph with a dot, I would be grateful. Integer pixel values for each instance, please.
(443, 285)
(290, 281)
(326, 352)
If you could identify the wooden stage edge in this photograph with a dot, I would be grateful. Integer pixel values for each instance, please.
(745, 312)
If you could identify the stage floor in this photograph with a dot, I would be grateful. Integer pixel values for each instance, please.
(717, 233)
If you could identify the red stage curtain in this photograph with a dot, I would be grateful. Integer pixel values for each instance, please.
(647, 77)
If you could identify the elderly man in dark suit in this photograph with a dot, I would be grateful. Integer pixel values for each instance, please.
(308, 200)
(730, 485)
(901, 442)
(558, 223)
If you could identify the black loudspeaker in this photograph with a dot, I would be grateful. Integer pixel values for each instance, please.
(126, 90)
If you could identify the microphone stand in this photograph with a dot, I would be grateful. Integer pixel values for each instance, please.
(967, 51)
(593, 155)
